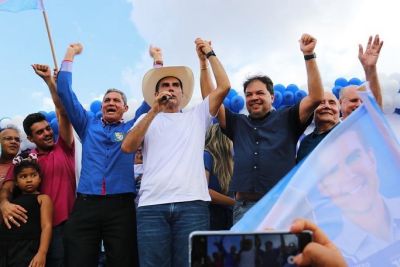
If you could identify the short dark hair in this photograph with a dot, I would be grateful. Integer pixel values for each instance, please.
(158, 83)
(262, 78)
(30, 120)
(113, 90)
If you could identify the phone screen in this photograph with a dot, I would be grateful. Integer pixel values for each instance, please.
(246, 250)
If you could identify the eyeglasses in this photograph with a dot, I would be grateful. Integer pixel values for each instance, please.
(10, 138)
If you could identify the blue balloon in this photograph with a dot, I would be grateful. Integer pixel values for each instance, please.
(44, 113)
(99, 115)
(293, 88)
(95, 106)
(237, 103)
(232, 92)
(54, 126)
(50, 116)
(336, 91)
(288, 98)
(299, 95)
(90, 114)
(279, 88)
(341, 82)
(278, 99)
(355, 81)
(227, 103)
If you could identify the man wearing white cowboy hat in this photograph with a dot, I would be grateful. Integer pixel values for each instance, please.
(174, 194)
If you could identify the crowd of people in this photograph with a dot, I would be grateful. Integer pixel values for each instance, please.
(194, 174)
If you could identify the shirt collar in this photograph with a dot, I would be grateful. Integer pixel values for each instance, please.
(104, 122)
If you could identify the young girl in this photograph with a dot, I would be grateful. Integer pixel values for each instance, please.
(27, 245)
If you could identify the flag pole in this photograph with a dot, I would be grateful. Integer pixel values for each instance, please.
(49, 35)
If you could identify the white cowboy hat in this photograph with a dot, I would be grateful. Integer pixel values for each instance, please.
(151, 78)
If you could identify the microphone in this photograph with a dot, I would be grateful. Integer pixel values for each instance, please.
(165, 98)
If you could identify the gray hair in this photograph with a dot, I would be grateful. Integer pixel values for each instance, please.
(113, 90)
(10, 127)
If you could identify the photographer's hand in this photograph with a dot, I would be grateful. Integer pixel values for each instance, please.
(320, 252)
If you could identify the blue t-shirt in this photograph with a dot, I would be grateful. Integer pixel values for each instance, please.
(213, 182)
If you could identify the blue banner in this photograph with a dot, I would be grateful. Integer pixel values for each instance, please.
(20, 5)
(349, 186)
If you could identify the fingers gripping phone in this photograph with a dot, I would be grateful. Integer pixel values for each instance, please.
(230, 249)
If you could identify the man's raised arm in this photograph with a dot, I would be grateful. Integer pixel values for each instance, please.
(368, 59)
(64, 125)
(315, 88)
(216, 97)
(206, 84)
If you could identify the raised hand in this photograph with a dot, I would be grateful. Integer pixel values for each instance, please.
(202, 47)
(307, 44)
(76, 48)
(42, 71)
(156, 53)
(369, 57)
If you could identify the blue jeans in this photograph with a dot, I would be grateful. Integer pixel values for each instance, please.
(240, 208)
(163, 232)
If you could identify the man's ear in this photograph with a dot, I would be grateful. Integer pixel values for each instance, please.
(29, 138)
(126, 108)
(272, 98)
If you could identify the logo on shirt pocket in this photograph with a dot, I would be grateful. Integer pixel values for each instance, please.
(118, 136)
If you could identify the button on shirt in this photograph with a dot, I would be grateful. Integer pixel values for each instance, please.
(105, 168)
(265, 149)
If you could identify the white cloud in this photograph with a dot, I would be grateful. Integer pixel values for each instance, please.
(261, 36)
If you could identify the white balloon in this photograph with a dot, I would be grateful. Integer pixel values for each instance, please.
(397, 101)
(5, 122)
(388, 104)
(395, 76)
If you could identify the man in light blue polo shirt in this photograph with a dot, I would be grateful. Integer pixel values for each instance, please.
(105, 208)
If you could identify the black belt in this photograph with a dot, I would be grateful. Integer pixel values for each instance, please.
(122, 195)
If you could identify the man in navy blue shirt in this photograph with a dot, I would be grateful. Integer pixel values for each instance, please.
(326, 117)
(265, 140)
(105, 208)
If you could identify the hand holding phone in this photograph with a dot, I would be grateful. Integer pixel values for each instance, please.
(320, 252)
(222, 248)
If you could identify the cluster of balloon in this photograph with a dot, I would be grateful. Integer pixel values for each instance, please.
(287, 96)
(343, 82)
(233, 101)
(390, 90)
(390, 86)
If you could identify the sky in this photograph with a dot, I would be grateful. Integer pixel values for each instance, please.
(249, 37)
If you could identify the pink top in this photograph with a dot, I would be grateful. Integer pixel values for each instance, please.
(58, 178)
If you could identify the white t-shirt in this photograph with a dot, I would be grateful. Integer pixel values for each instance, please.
(173, 157)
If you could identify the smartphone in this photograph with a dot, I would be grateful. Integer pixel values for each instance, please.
(230, 249)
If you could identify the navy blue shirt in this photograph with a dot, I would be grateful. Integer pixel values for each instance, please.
(105, 168)
(310, 142)
(264, 149)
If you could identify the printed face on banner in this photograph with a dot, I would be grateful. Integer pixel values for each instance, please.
(350, 177)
